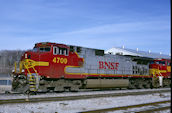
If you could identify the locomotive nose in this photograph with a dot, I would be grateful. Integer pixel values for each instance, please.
(27, 55)
(153, 66)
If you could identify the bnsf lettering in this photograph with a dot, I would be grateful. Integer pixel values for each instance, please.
(108, 65)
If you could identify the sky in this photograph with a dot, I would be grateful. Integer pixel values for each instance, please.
(101, 24)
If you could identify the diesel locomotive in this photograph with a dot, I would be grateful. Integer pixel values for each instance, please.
(59, 67)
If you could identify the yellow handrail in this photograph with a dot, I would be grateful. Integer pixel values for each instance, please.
(15, 65)
(21, 67)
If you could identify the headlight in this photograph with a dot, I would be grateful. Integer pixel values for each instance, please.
(22, 70)
(25, 55)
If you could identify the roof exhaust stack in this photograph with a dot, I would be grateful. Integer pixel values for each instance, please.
(137, 49)
(123, 47)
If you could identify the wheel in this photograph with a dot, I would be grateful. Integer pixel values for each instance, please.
(7, 92)
(131, 84)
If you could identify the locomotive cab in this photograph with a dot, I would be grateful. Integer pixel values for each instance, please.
(160, 69)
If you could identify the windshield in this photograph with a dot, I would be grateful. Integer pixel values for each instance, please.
(35, 49)
(44, 49)
(152, 62)
(41, 49)
(160, 62)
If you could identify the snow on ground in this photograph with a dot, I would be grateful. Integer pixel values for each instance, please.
(133, 110)
(74, 106)
(19, 96)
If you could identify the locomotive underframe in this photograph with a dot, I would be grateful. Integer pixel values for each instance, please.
(21, 84)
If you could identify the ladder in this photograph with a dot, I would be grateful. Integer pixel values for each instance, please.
(32, 83)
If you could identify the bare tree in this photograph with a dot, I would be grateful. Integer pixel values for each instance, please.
(7, 59)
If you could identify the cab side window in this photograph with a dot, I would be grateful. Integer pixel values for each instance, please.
(63, 51)
(55, 50)
(60, 51)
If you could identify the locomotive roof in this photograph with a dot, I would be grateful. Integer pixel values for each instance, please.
(40, 44)
(49, 44)
(125, 51)
(114, 51)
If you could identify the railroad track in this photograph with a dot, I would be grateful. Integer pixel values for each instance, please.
(41, 99)
(82, 90)
(141, 108)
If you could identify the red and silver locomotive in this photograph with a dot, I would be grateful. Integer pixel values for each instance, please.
(59, 67)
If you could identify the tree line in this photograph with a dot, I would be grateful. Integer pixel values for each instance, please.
(7, 59)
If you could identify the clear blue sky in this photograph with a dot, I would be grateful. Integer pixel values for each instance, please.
(103, 24)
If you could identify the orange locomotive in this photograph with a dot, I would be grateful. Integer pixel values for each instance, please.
(59, 67)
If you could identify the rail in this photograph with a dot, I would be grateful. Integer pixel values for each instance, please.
(155, 104)
(41, 99)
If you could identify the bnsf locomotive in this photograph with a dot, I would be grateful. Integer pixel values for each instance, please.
(59, 67)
